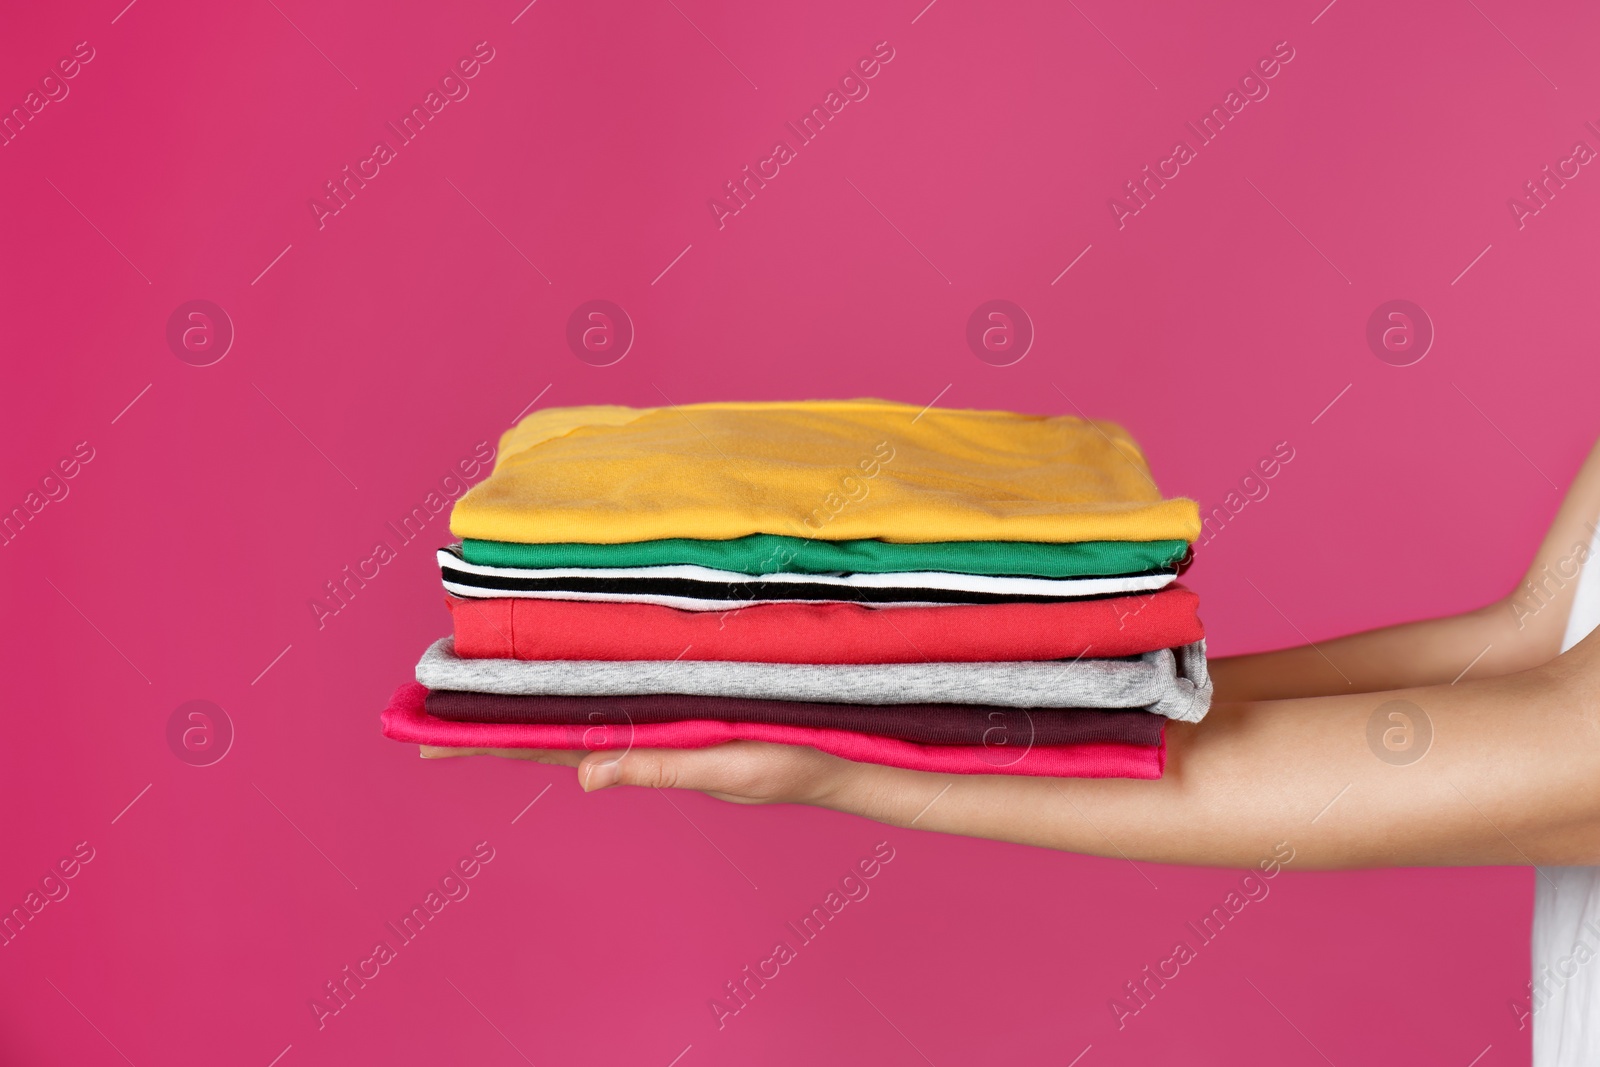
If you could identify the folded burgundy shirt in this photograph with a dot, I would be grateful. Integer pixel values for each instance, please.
(928, 724)
(537, 629)
(406, 720)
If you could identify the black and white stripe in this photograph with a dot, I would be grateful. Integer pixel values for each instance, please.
(696, 588)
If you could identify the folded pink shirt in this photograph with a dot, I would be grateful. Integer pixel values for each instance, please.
(405, 719)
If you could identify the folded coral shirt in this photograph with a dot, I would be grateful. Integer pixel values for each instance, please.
(774, 553)
(828, 470)
(679, 585)
(1170, 682)
(535, 629)
(927, 724)
(406, 720)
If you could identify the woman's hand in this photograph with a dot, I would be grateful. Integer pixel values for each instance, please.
(744, 772)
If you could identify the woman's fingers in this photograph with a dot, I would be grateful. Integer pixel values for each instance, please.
(742, 772)
(537, 755)
(748, 771)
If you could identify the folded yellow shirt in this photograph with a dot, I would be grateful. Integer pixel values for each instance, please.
(835, 470)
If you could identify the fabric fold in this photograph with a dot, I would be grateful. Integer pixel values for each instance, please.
(928, 724)
(823, 469)
(692, 587)
(541, 629)
(757, 554)
(405, 719)
(1174, 685)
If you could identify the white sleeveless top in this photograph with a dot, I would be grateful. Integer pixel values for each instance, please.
(1566, 917)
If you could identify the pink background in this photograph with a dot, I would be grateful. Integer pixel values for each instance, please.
(374, 353)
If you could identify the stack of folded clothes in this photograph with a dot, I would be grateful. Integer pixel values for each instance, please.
(945, 590)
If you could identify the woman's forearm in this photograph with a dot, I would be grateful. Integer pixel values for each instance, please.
(1510, 763)
(1520, 631)
(1476, 644)
(1492, 790)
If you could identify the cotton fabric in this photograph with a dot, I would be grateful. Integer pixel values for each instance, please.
(1170, 682)
(678, 586)
(928, 724)
(536, 629)
(828, 470)
(772, 553)
(406, 720)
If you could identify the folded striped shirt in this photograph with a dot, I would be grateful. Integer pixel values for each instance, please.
(704, 589)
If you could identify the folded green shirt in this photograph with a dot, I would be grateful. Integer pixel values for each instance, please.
(775, 553)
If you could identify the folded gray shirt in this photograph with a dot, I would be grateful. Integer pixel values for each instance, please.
(1170, 682)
